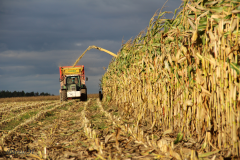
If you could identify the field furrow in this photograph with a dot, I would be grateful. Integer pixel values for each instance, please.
(7, 105)
(110, 138)
(15, 108)
(30, 120)
(27, 113)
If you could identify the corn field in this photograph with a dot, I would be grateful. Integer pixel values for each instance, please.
(182, 74)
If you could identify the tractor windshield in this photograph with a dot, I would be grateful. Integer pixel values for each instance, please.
(73, 80)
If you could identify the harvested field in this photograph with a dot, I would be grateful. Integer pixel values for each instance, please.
(86, 130)
(25, 99)
(38, 98)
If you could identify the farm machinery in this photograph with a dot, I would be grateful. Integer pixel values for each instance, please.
(72, 79)
(72, 83)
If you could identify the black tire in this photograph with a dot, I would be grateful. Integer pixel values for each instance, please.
(64, 95)
(83, 94)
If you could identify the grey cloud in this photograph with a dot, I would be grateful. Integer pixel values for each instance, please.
(43, 25)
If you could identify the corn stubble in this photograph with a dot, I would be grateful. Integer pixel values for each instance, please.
(183, 74)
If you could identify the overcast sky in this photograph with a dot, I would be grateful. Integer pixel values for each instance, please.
(38, 36)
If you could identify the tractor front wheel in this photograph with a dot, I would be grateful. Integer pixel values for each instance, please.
(64, 95)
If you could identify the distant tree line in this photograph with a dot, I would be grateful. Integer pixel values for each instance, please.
(5, 94)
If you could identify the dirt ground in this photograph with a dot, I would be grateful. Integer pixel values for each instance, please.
(85, 130)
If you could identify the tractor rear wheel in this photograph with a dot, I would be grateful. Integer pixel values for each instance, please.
(64, 95)
(83, 94)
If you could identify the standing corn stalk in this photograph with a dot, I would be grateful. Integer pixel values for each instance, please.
(183, 74)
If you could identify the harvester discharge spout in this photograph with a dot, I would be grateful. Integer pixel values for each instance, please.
(95, 47)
